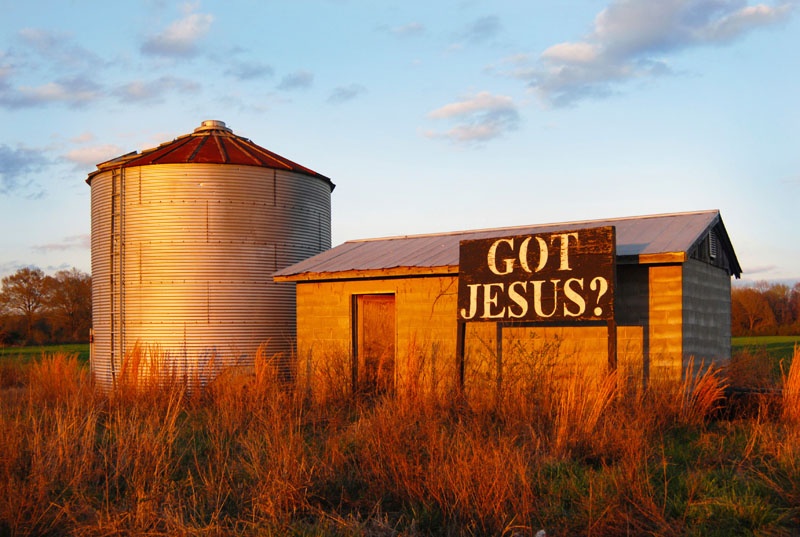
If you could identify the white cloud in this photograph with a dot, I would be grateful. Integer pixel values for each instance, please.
(76, 91)
(58, 91)
(179, 39)
(632, 39)
(571, 53)
(478, 118)
(90, 156)
(737, 23)
(483, 101)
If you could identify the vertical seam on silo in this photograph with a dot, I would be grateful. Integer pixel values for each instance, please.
(112, 255)
(122, 261)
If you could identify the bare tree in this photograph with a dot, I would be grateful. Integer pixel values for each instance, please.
(69, 301)
(779, 299)
(750, 312)
(25, 293)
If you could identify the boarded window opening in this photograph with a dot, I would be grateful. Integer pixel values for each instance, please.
(374, 360)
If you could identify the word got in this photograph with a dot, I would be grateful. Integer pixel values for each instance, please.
(553, 277)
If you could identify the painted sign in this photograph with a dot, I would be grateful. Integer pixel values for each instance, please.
(563, 276)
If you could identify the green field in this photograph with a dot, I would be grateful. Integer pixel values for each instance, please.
(780, 347)
(27, 354)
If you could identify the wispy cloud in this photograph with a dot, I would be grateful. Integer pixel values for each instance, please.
(10, 267)
(632, 39)
(73, 242)
(154, 90)
(342, 94)
(758, 271)
(412, 29)
(296, 81)
(75, 91)
(482, 29)
(179, 39)
(15, 167)
(59, 48)
(55, 70)
(90, 156)
(477, 118)
(249, 70)
(82, 138)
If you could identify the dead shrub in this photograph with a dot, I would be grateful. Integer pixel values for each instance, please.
(750, 369)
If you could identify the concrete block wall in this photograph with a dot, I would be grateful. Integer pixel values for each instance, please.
(706, 313)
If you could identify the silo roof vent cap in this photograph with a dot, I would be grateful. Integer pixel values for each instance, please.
(212, 125)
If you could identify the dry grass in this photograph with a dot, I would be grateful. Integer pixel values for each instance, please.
(250, 454)
(791, 390)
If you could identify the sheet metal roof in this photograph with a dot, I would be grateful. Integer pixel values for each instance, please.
(211, 143)
(637, 237)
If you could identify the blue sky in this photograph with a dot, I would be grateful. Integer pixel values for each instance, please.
(429, 117)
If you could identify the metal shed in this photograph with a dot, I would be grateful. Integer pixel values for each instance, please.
(673, 298)
(185, 238)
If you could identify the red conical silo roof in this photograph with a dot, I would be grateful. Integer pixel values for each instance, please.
(210, 143)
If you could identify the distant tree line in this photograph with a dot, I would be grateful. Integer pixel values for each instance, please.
(765, 309)
(37, 309)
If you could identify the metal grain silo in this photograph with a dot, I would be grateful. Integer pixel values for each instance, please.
(185, 238)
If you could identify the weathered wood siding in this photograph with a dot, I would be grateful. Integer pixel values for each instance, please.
(426, 332)
(665, 314)
(426, 341)
(706, 313)
(665, 328)
(534, 357)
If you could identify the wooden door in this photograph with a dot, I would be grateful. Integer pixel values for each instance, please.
(375, 354)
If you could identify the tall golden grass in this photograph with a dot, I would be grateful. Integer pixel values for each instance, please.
(791, 390)
(249, 454)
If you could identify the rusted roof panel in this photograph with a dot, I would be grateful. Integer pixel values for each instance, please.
(211, 143)
(636, 236)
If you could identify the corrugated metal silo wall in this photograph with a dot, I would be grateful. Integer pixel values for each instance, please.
(101, 273)
(200, 245)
